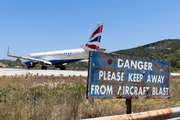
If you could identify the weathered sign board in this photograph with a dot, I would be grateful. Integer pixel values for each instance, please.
(120, 76)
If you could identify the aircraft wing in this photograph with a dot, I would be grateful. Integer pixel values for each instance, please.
(29, 58)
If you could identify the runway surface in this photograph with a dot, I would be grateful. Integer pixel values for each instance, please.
(16, 71)
(175, 74)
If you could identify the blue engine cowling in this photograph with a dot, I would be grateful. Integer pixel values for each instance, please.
(30, 64)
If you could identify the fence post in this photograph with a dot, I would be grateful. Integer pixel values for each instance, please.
(35, 105)
(128, 103)
(92, 102)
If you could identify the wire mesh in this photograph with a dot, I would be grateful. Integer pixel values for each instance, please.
(73, 105)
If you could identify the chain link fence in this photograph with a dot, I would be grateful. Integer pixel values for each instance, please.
(73, 105)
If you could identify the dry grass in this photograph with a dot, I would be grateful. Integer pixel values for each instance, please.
(28, 81)
(22, 98)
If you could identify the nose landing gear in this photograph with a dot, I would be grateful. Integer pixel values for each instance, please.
(43, 67)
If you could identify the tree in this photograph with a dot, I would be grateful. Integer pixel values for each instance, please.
(18, 60)
(152, 56)
(166, 56)
(173, 59)
(178, 63)
(9, 64)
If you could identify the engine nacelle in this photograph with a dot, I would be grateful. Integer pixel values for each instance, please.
(30, 64)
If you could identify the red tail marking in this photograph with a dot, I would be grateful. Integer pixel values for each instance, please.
(99, 30)
(93, 47)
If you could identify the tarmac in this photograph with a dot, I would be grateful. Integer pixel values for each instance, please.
(17, 71)
(175, 74)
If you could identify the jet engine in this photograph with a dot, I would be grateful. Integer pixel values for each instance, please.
(30, 64)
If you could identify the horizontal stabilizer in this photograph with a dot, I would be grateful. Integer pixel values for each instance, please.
(111, 51)
(87, 48)
(86, 60)
(101, 50)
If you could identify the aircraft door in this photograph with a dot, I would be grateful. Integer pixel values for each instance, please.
(74, 55)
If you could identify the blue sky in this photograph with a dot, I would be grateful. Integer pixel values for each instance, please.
(30, 26)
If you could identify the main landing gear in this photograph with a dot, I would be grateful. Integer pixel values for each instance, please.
(62, 67)
(43, 67)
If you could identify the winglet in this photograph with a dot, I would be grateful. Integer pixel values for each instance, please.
(8, 51)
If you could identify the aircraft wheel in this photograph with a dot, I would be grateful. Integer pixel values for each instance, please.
(45, 67)
(63, 68)
(42, 67)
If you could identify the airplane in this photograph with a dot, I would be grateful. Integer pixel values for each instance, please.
(63, 57)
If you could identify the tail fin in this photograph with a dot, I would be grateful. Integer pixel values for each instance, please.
(95, 38)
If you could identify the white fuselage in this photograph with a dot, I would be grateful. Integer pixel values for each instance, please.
(61, 57)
